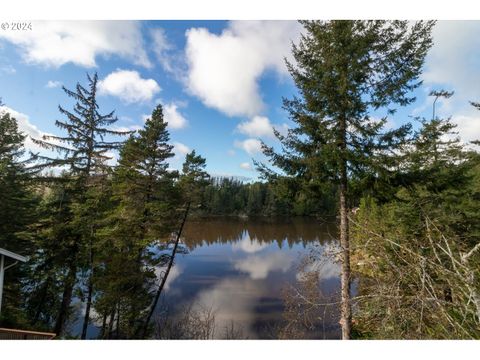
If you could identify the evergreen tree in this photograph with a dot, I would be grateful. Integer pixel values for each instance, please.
(17, 213)
(145, 202)
(345, 70)
(85, 148)
(193, 179)
(15, 181)
(85, 155)
(54, 262)
(417, 237)
(191, 184)
(143, 180)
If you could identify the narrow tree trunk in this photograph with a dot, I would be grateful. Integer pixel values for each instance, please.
(41, 303)
(104, 326)
(89, 296)
(118, 321)
(346, 312)
(164, 279)
(66, 298)
(110, 323)
(90, 279)
(87, 309)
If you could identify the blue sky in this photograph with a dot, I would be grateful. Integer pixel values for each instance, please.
(221, 83)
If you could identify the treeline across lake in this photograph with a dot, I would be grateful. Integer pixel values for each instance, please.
(282, 198)
(259, 230)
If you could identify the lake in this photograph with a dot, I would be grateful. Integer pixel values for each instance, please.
(235, 274)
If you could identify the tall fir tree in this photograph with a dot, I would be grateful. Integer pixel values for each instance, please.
(145, 211)
(54, 263)
(85, 150)
(344, 71)
(85, 147)
(17, 212)
(194, 178)
(143, 182)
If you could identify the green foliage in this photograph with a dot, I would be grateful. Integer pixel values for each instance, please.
(101, 236)
(142, 213)
(17, 212)
(344, 70)
(411, 249)
(194, 178)
(51, 262)
(84, 147)
(282, 197)
(84, 150)
(16, 197)
(143, 185)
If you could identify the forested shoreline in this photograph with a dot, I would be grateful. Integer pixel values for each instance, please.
(283, 198)
(406, 199)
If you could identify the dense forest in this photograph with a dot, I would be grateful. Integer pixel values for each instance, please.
(228, 196)
(407, 200)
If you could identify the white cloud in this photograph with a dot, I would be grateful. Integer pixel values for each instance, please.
(129, 86)
(260, 126)
(180, 149)
(246, 166)
(127, 128)
(468, 126)
(162, 47)
(223, 70)
(453, 64)
(160, 42)
(8, 69)
(231, 152)
(179, 152)
(257, 126)
(55, 43)
(234, 301)
(259, 266)
(325, 268)
(251, 146)
(174, 118)
(53, 84)
(25, 126)
(454, 58)
(175, 272)
(249, 245)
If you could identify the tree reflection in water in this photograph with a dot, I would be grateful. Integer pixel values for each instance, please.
(248, 275)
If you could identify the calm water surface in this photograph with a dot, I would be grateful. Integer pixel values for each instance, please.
(238, 268)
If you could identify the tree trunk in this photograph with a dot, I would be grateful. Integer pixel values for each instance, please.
(89, 296)
(118, 321)
(41, 303)
(346, 311)
(164, 279)
(104, 326)
(110, 323)
(66, 298)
